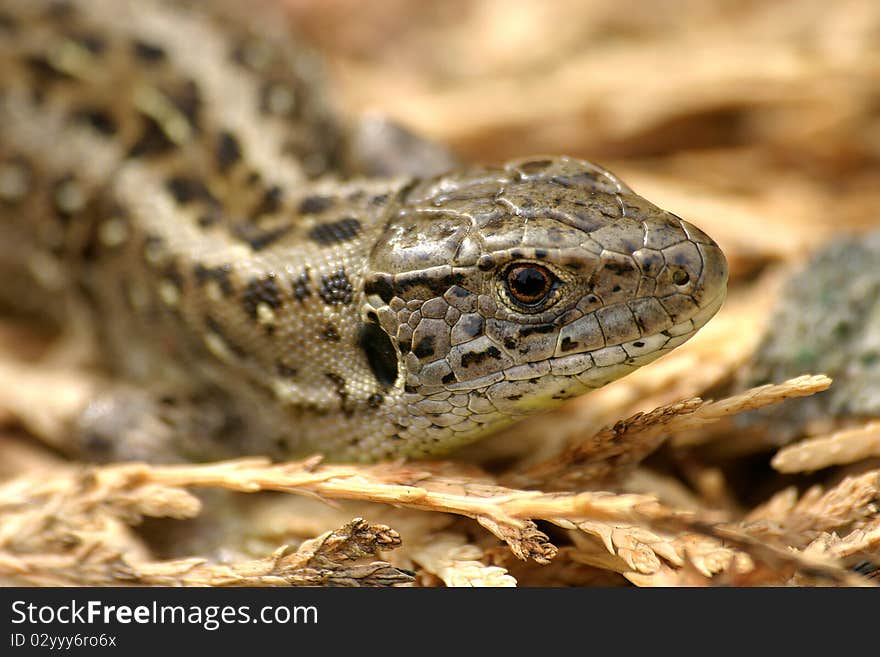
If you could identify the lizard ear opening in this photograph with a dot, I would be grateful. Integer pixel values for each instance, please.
(380, 352)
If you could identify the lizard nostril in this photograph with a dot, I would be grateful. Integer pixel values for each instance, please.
(680, 277)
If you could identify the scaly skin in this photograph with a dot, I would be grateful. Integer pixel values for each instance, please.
(176, 172)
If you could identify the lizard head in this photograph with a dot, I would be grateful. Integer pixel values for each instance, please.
(505, 291)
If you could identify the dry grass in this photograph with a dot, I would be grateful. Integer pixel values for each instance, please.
(72, 524)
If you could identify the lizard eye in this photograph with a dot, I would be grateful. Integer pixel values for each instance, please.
(529, 284)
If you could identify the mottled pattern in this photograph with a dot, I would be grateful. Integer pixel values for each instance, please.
(827, 320)
(172, 167)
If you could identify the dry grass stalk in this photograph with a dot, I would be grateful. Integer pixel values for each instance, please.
(334, 559)
(749, 400)
(621, 547)
(506, 512)
(73, 529)
(564, 570)
(839, 448)
(614, 450)
(863, 543)
(850, 504)
(456, 562)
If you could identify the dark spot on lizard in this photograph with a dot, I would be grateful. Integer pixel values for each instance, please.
(270, 202)
(330, 333)
(458, 292)
(285, 371)
(146, 52)
(187, 190)
(228, 151)
(424, 348)
(99, 120)
(375, 400)
(261, 290)
(171, 274)
(449, 378)
(220, 275)
(339, 385)
(623, 267)
(335, 232)
(257, 238)
(436, 285)
(476, 357)
(535, 328)
(336, 289)
(188, 102)
(568, 344)
(252, 55)
(151, 141)
(470, 325)
(43, 69)
(208, 219)
(302, 286)
(381, 285)
(92, 42)
(380, 353)
(93, 246)
(315, 204)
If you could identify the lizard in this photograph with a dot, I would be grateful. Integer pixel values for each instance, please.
(175, 169)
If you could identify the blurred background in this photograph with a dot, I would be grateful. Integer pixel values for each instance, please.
(759, 120)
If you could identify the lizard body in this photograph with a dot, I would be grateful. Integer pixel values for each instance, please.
(175, 169)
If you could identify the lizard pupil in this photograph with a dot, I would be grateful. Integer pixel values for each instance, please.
(529, 284)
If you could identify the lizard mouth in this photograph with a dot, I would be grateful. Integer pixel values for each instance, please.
(599, 366)
(596, 367)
